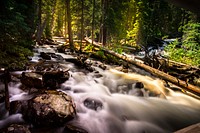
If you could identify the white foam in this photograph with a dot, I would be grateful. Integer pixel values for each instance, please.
(128, 113)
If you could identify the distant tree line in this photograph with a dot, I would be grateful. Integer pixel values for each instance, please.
(130, 22)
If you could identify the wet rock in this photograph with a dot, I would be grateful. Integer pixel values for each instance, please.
(61, 48)
(102, 66)
(81, 62)
(15, 128)
(46, 74)
(73, 129)
(53, 79)
(139, 85)
(31, 79)
(97, 74)
(51, 108)
(2, 96)
(50, 42)
(45, 56)
(44, 66)
(57, 56)
(93, 104)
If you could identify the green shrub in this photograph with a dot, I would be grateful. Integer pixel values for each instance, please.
(189, 52)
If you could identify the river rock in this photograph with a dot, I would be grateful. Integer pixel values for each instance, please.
(73, 129)
(93, 104)
(139, 85)
(2, 96)
(45, 56)
(44, 79)
(61, 48)
(31, 79)
(51, 108)
(53, 79)
(15, 128)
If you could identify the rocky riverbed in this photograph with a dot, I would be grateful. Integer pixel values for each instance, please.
(68, 92)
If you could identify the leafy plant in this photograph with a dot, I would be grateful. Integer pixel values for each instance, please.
(189, 52)
(89, 48)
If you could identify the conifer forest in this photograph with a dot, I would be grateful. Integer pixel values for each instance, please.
(99, 66)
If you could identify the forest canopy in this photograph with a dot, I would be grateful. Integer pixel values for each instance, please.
(134, 23)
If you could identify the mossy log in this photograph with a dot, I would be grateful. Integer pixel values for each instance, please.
(158, 73)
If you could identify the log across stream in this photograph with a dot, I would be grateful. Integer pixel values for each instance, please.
(160, 74)
(109, 101)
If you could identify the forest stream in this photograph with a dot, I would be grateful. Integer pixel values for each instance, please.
(97, 100)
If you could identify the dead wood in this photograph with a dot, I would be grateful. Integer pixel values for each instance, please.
(158, 73)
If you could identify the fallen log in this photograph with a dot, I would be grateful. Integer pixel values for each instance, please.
(158, 73)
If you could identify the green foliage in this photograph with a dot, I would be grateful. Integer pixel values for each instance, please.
(15, 34)
(189, 52)
(14, 57)
(119, 50)
(116, 47)
(88, 48)
(100, 53)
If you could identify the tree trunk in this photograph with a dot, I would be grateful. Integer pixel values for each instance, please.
(93, 21)
(104, 28)
(82, 20)
(160, 74)
(65, 23)
(69, 25)
(52, 17)
(38, 34)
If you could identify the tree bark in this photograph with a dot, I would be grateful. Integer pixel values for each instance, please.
(160, 74)
(82, 20)
(93, 21)
(38, 35)
(69, 25)
(52, 17)
(104, 28)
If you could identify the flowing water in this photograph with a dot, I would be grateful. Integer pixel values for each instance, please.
(108, 101)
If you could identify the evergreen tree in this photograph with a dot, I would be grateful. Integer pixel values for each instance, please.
(16, 24)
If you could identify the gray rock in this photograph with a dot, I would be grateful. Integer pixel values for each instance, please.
(53, 79)
(31, 79)
(49, 109)
(93, 104)
(45, 56)
(15, 128)
(2, 96)
(44, 79)
(73, 129)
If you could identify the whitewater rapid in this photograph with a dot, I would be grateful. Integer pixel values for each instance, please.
(101, 109)
(108, 101)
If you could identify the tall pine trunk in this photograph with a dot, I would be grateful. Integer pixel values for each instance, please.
(93, 12)
(104, 26)
(82, 21)
(38, 33)
(69, 25)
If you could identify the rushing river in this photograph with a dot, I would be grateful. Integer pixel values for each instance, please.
(108, 101)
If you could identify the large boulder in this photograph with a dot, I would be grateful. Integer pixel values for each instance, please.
(51, 108)
(31, 79)
(44, 79)
(53, 79)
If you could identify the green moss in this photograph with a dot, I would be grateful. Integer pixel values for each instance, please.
(14, 57)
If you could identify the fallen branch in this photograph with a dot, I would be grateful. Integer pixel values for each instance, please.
(160, 74)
